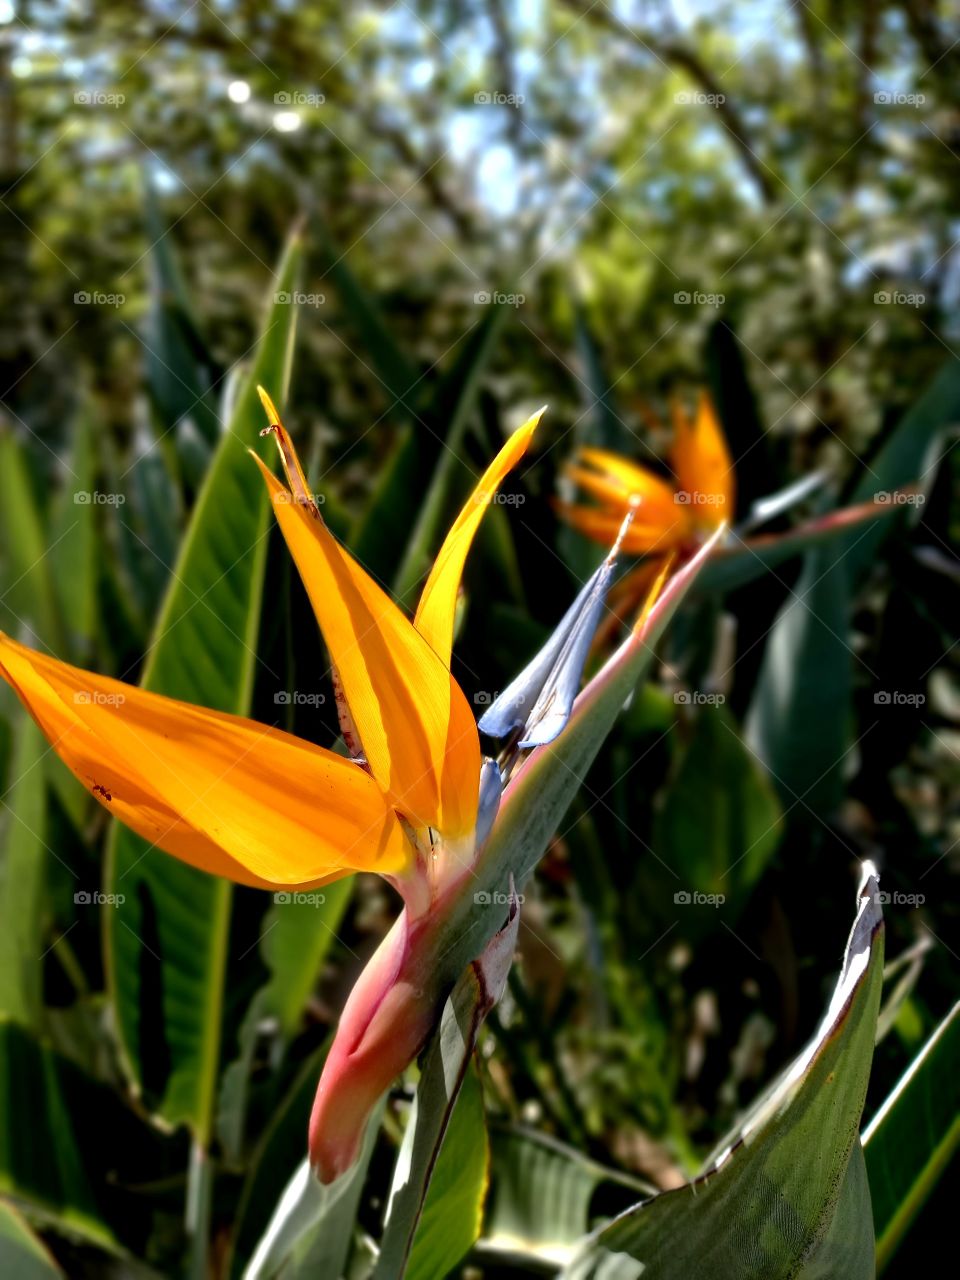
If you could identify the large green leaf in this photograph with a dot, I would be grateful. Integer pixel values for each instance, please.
(902, 458)
(720, 820)
(434, 506)
(799, 718)
(23, 859)
(296, 935)
(73, 543)
(542, 1197)
(452, 1212)
(180, 370)
(310, 1232)
(167, 943)
(54, 1127)
(787, 1198)
(275, 1161)
(913, 1137)
(418, 478)
(27, 597)
(21, 1253)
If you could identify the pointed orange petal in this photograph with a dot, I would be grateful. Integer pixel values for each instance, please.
(634, 479)
(438, 602)
(228, 795)
(702, 463)
(416, 727)
(657, 501)
(640, 539)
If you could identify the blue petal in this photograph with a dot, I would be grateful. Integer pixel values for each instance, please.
(491, 787)
(541, 697)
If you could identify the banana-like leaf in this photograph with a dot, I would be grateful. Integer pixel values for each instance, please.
(73, 543)
(788, 1198)
(417, 479)
(542, 1197)
(23, 860)
(798, 722)
(311, 1230)
(436, 1201)
(180, 370)
(275, 1161)
(22, 1254)
(720, 821)
(166, 945)
(27, 598)
(745, 560)
(914, 1136)
(295, 939)
(453, 1210)
(909, 452)
(460, 389)
(55, 1128)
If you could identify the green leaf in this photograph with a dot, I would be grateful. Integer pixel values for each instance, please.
(541, 1197)
(424, 462)
(456, 397)
(167, 944)
(296, 936)
(396, 374)
(22, 1254)
(798, 722)
(274, 1163)
(27, 599)
(787, 1198)
(54, 1126)
(902, 458)
(23, 861)
(179, 368)
(913, 1137)
(720, 821)
(310, 1232)
(452, 1212)
(745, 560)
(73, 543)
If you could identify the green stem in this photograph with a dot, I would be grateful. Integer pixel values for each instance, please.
(199, 1200)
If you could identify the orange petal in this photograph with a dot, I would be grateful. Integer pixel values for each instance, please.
(656, 492)
(438, 602)
(416, 727)
(702, 463)
(640, 538)
(657, 504)
(228, 795)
